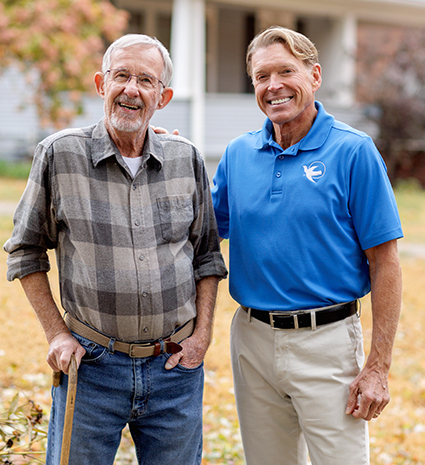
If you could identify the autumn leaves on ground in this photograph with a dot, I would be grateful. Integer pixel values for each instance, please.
(397, 438)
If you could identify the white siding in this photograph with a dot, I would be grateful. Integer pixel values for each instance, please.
(19, 128)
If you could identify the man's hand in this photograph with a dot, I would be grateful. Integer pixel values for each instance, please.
(159, 130)
(62, 346)
(369, 391)
(191, 356)
(369, 395)
(196, 346)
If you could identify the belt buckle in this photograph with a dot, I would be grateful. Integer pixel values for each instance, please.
(136, 346)
(292, 314)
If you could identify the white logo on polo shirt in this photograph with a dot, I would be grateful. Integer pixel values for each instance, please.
(316, 170)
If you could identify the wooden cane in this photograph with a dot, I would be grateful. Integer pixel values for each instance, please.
(69, 410)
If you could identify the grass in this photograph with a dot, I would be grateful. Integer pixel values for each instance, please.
(14, 170)
(397, 438)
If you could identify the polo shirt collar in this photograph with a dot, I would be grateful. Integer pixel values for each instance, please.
(104, 147)
(314, 139)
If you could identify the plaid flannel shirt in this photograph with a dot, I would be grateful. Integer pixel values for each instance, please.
(129, 251)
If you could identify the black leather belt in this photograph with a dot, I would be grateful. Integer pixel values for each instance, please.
(304, 318)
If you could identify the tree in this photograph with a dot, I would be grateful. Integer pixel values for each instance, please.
(58, 44)
(391, 77)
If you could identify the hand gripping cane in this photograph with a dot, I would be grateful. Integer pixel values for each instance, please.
(69, 410)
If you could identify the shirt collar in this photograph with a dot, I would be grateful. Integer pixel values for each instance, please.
(314, 139)
(104, 147)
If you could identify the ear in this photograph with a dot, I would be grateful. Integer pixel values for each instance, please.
(99, 80)
(166, 96)
(316, 73)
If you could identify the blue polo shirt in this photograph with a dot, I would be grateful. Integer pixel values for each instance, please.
(300, 219)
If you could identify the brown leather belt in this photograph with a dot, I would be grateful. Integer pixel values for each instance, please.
(169, 345)
(304, 318)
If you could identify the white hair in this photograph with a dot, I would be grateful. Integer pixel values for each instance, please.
(140, 39)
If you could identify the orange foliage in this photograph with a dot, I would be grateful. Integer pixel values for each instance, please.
(63, 40)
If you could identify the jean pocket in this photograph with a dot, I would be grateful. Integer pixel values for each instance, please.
(94, 352)
(182, 368)
(176, 216)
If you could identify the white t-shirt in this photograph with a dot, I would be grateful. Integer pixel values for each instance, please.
(133, 164)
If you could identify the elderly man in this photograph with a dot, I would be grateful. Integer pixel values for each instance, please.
(312, 223)
(130, 216)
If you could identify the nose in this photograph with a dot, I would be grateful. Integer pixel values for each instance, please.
(275, 82)
(131, 87)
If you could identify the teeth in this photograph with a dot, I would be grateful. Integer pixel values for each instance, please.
(281, 100)
(130, 107)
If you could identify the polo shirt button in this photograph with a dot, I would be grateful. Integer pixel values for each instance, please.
(278, 174)
(281, 157)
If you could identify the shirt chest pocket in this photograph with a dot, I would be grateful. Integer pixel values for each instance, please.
(176, 216)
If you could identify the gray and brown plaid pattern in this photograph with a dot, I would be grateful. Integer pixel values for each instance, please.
(129, 251)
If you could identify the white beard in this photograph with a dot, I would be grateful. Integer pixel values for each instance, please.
(123, 124)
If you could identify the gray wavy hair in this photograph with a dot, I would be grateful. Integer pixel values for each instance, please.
(140, 39)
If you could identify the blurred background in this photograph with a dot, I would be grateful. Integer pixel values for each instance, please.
(373, 58)
(372, 53)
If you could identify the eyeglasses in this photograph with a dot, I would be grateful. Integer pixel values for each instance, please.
(144, 80)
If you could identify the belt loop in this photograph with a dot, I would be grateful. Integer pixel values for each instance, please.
(111, 345)
(359, 308)
(296, 325)
(313, 320)
(249, 314)
(159, 347)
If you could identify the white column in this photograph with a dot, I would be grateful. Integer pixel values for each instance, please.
(188, 54)
(338, 59)
(198, 69)
(181, 38)
(348, 63)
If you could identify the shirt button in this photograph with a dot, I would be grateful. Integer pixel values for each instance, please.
(134, 187)
(137, 223)
(144, 294)
(145, 329)
(141, 257)
(281, 157)
(278, 174)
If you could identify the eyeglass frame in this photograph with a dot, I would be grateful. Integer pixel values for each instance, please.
(130, 77)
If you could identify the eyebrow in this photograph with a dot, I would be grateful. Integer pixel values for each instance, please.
(280, 68)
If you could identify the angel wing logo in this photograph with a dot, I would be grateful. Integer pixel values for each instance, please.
(316, 170)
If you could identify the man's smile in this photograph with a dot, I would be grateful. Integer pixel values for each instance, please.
(129, 107)
(279, 101)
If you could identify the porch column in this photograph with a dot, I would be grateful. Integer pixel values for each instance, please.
(188, 54)
(348, 74)
(339, 62)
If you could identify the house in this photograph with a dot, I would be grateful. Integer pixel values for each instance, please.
(214, 100)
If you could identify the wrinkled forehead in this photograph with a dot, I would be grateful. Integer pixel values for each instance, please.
(139, 56)
(274, 54)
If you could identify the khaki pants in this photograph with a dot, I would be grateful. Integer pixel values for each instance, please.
(291, 389)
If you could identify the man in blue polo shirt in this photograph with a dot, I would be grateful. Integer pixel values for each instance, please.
(313, 223)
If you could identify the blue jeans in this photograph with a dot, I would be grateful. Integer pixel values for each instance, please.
(163, 409)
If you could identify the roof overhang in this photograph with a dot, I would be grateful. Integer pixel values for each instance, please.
(401, 13)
